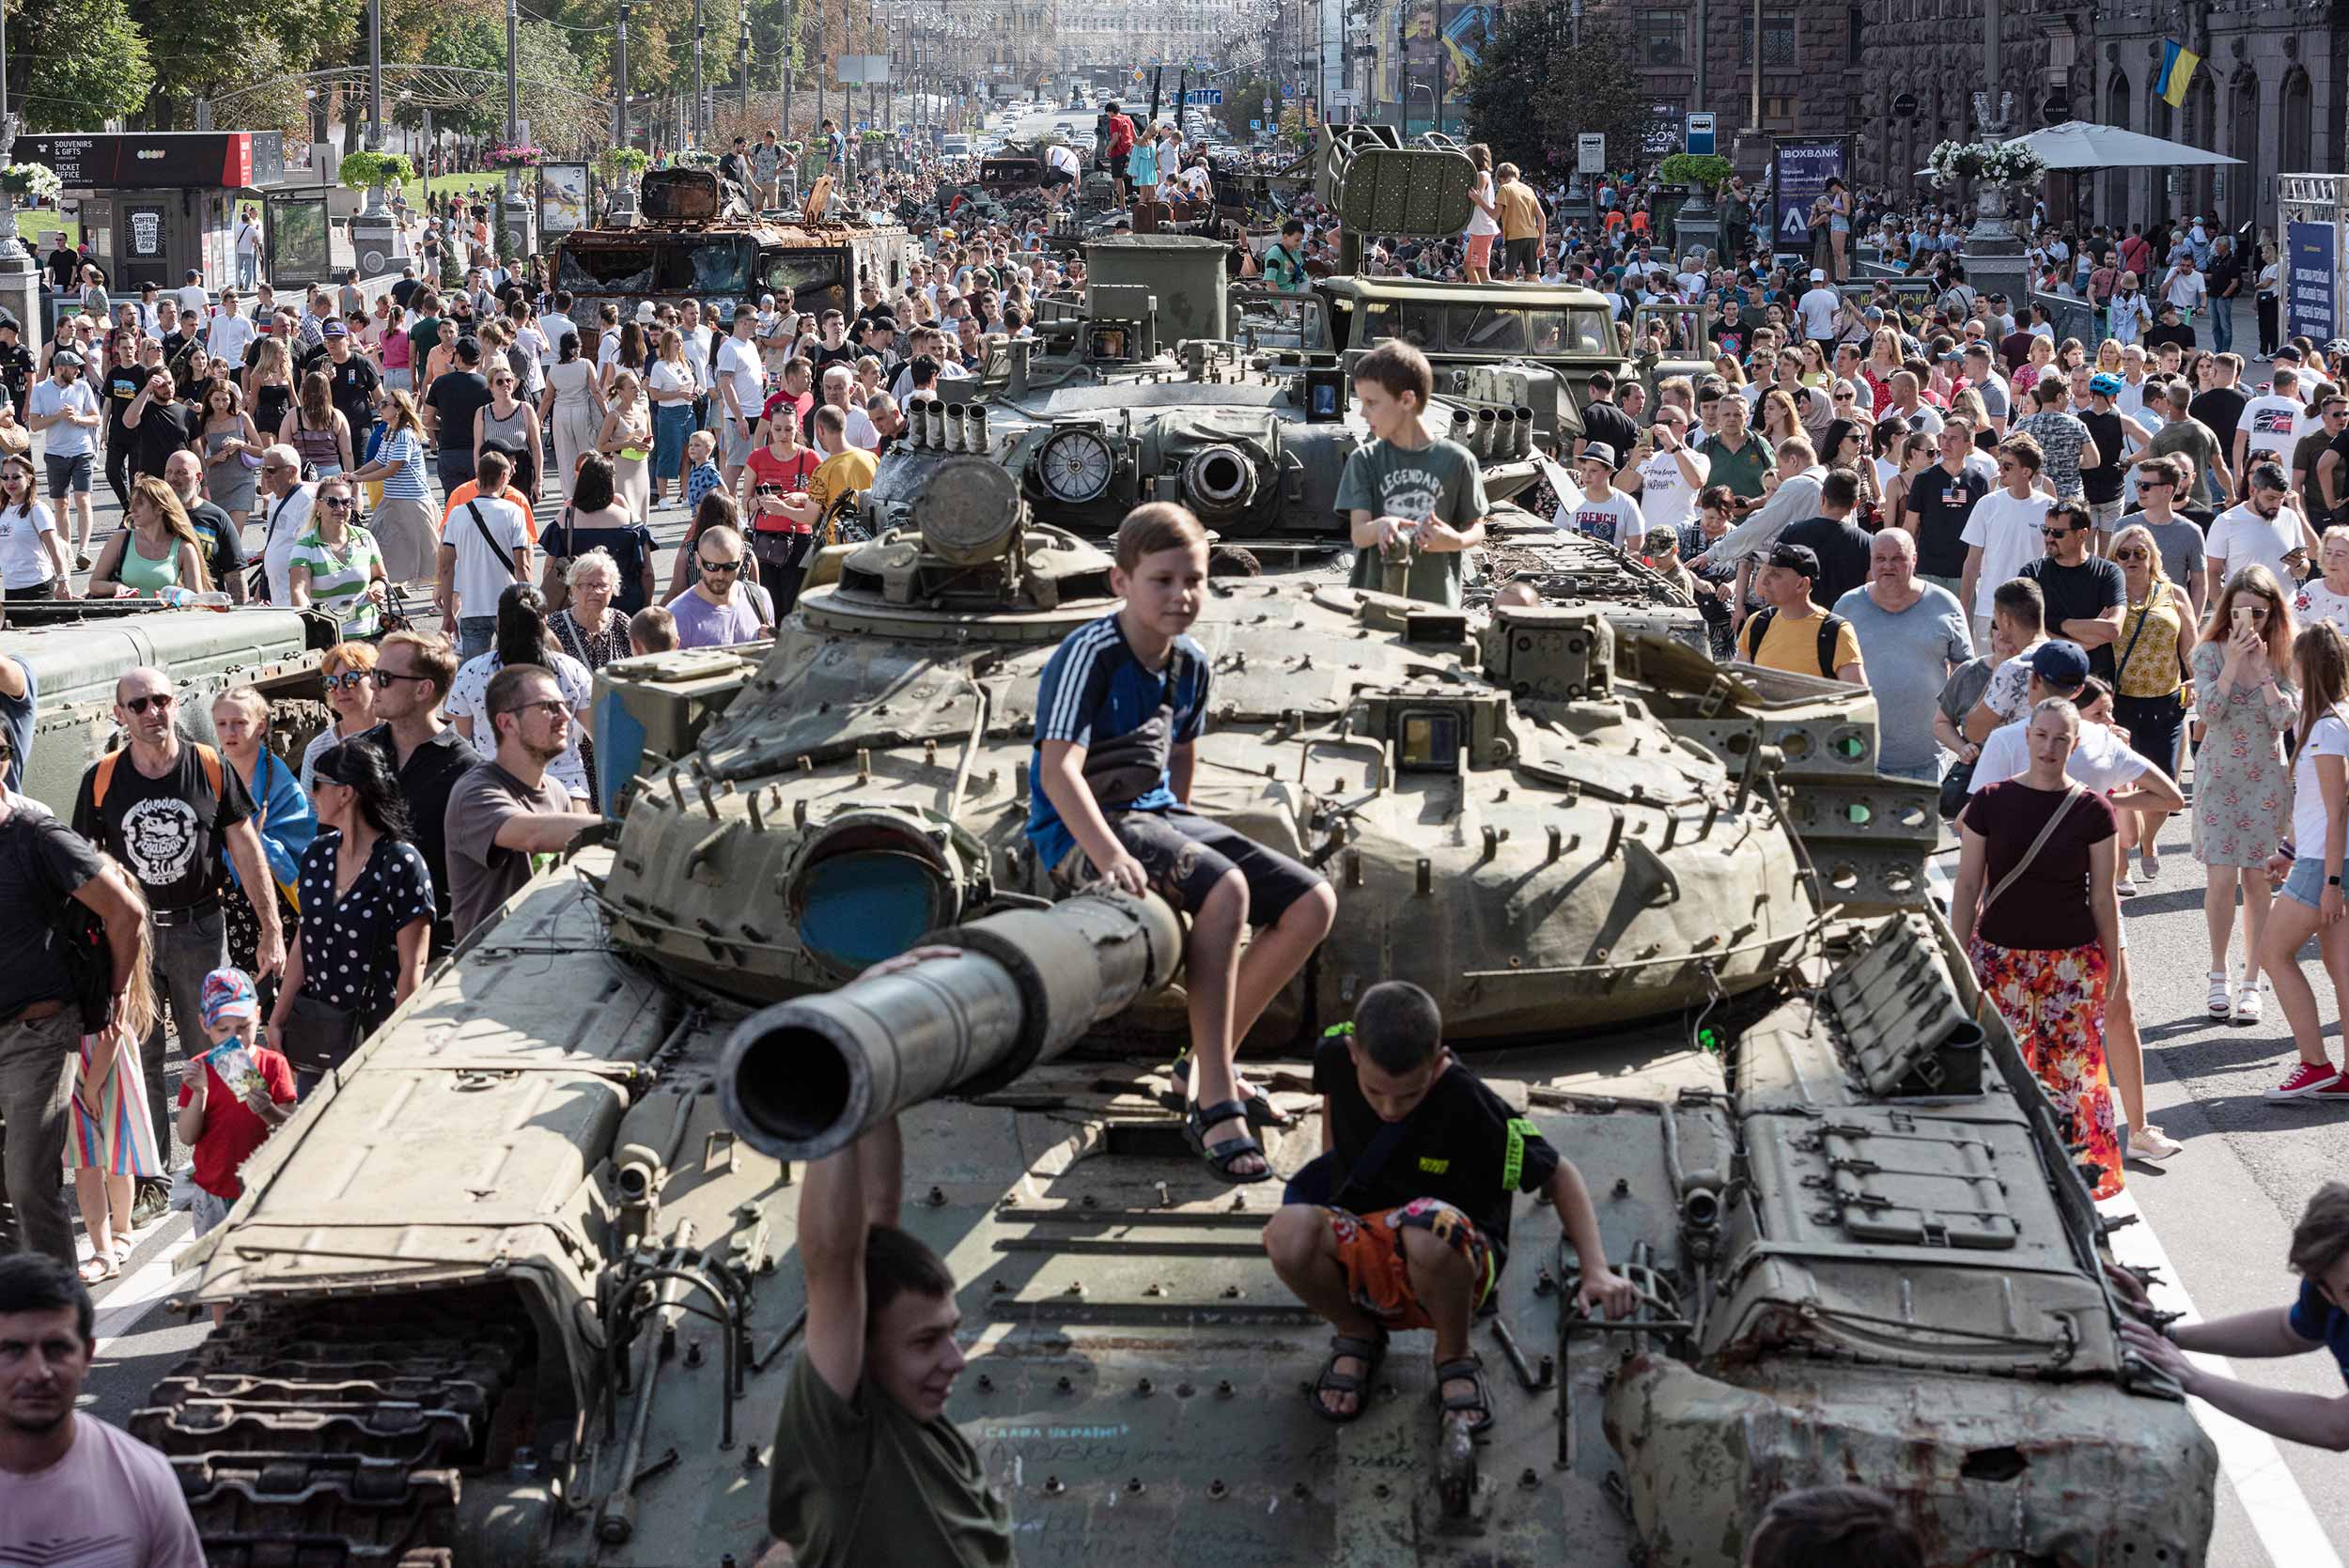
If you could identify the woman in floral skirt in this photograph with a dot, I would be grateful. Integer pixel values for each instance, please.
(2242, 693)
(2035, 906)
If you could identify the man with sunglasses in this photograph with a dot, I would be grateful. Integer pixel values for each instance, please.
(165, 807)
(2083, 593)
(2330, 424)
(2179, 538)
(505, 811)
(63, 411)
(427, 757)
(719, 609)
(2317, 1319)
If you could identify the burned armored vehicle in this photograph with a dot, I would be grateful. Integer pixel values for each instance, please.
(697, 241)
(517, 1286)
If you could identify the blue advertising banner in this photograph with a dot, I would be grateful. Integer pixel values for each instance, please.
(1799, 170)
(2311, 263)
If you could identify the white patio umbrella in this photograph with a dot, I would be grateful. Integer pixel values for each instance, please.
(2078, 145)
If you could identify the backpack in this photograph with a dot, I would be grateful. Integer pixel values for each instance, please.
(80, 937)
(1830, 628)
(205, 756)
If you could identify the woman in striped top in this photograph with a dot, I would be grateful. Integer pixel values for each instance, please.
(336, 564)
(404, 522)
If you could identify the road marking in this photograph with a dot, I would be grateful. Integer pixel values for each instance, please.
(2287, 1527)
(140, 1292)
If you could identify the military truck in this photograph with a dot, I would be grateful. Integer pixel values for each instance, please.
(697, 241)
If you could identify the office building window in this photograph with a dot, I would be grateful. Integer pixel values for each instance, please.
(1664, 37)
(1777, 40)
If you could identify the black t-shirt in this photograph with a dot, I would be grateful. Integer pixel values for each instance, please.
(845, 355)
(119, 388)
(2160, 336)
(65, 266)
(431, 772)
(629, 547)
(2103, 483)
(405, 291)
(1603, 421)
(457, 395)
(42, 862)
(1842, 552)
(354, 382)
(2222, 409)
(1465, 1147)
(16, 371)
(2079, 593)
(165, 831)
(224, 541)
(165, 428)
(1942, 502)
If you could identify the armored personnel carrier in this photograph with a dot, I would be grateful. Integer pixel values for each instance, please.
(517, 1286)
(697, 241)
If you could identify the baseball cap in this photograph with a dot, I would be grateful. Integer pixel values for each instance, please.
(1796, 558)
(2104, 384)
(2060, 664)
(1818, 275)
(228, 994)
(1873, 313)
(2286, 354)
(335, 329)
(1599, 452)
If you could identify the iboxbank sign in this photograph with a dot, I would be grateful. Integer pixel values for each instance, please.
(1799, 170)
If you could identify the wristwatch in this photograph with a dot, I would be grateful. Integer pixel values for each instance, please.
(2332, 881)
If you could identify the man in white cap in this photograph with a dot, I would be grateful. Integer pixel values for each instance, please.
(1817, 308)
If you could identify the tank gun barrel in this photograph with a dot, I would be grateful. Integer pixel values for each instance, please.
(806, 1078)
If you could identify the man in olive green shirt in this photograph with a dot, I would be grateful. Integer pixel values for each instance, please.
(867, 1468)
(1739, 457)
(1408, 494)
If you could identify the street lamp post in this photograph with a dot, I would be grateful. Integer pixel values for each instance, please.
(700, 33)
(375, 74)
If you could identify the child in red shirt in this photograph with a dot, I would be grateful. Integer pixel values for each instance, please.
(224, 1120)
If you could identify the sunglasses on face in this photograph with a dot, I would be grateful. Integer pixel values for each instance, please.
(707, 565)
(383, 678)
(2128, 556)
(549, 707)
(336, 503)
(350, 680)
(2057, 533)
(159, 701)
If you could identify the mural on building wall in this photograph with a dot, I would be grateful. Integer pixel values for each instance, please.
(1442, 41)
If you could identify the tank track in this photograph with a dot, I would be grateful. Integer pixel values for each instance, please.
(324, 1434)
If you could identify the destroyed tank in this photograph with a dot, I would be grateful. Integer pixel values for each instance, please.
(518, 1286)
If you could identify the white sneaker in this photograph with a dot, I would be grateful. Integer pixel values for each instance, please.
(2247, 1004)
(2151, 1143)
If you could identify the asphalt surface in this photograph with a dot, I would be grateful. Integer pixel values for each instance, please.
(2218, 1215)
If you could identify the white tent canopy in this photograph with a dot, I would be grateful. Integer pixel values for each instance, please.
(2078, 145)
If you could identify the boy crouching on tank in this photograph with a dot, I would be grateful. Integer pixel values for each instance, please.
(1403, 1220)
(1118, 721)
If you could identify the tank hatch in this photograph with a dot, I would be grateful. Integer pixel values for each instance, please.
(970, 563)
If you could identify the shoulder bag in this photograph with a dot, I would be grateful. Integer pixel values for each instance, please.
(2055, 821)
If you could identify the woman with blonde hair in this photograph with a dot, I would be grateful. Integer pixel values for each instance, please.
(2308, 866)
(627, 440)
(404, 523)
(110, 1144)
(281, 815)
(2158, 637)
(160, 550)
(2037, 359)
(2243, 695)
(2109, 356)
(269, 385)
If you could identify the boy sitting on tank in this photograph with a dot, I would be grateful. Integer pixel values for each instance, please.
(1403, 1220)
(1118, 719)
(1413, 499)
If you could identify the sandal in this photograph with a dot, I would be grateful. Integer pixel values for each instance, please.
(2221, 1001)
(1331, 1381)
(1470, 1367)
(1221, 1156)
(98, 1269)
(124, 1247)
(1262, 1113)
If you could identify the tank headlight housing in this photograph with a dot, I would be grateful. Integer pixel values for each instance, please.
(1075, 466)
(868, 887)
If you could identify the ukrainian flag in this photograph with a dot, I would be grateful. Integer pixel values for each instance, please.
(2177, 69)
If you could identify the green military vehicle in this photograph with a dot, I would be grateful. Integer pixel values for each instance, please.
(518, 1284)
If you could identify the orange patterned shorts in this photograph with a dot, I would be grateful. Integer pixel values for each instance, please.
(1377, 1273)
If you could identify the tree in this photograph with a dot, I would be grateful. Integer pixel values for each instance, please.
(214, 45)
(75, 63)
(1534, 90)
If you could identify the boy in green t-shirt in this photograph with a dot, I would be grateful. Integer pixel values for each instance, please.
(1410, 495)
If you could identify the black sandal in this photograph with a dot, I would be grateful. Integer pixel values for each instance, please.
(1331, 1381)
(1262, 1113)
(1471, 1367)
(1219, 1156)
